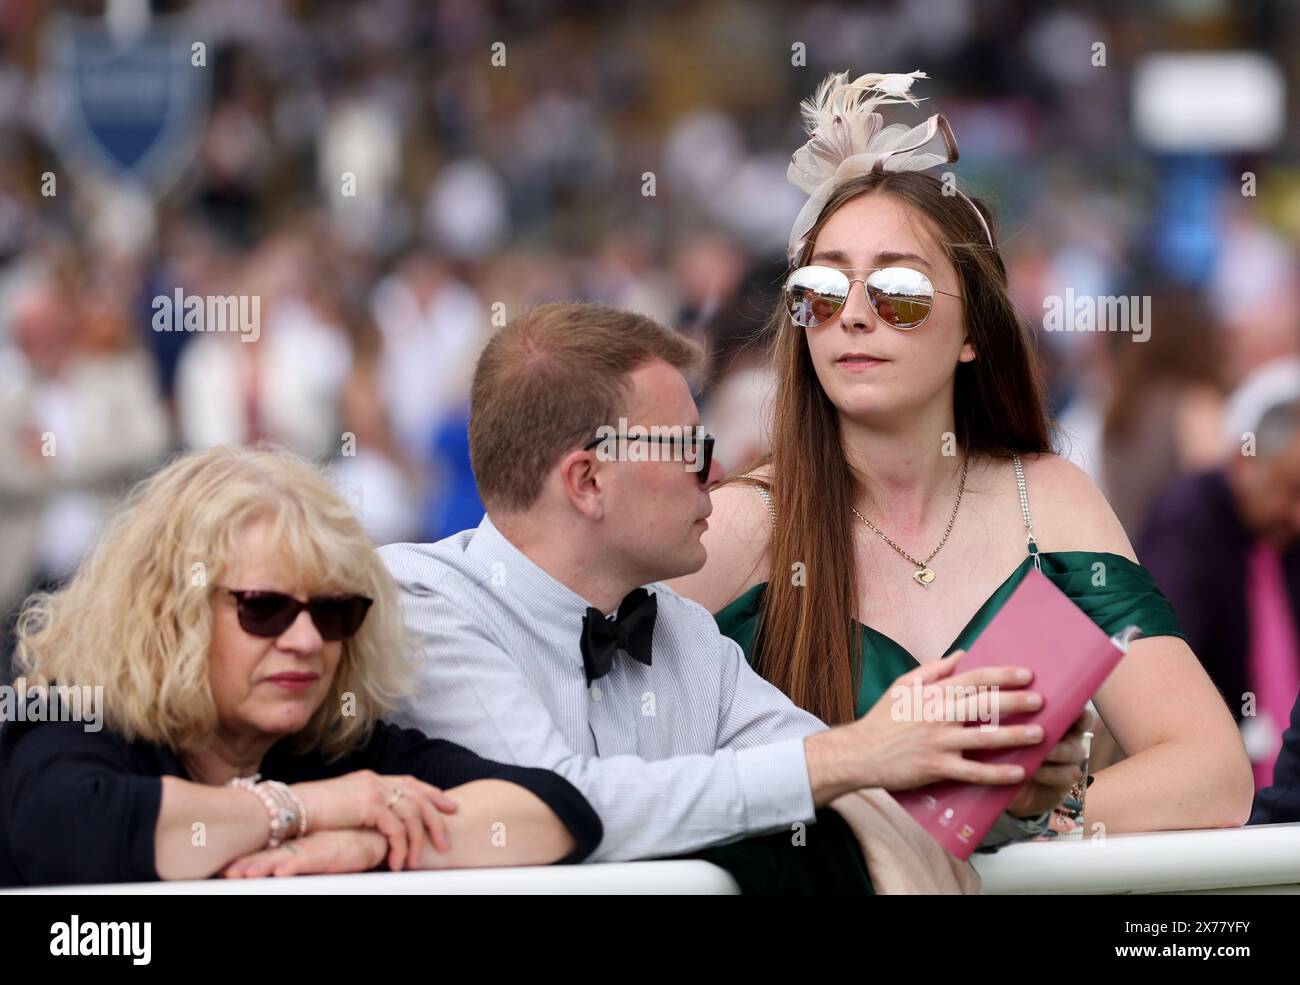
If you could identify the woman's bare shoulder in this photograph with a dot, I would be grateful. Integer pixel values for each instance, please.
(736, 542)
(1069, 511)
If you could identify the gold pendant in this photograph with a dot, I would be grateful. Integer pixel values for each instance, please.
(923, 576)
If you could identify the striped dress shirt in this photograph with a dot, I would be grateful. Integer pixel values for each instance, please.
(693, 750)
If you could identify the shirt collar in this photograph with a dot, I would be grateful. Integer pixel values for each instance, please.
(528, 580)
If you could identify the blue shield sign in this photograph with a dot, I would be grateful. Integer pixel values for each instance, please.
(125, 109)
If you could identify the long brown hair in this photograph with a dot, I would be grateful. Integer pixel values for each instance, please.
(999, 410)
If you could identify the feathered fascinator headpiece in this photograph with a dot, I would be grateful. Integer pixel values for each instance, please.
(847, 138)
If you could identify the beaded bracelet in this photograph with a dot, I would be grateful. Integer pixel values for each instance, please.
(287, 812)
(291, 802)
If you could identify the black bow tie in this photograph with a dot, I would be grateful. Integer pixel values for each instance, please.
(631, 630)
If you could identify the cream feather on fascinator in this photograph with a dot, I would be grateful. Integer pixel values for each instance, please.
(847, 138)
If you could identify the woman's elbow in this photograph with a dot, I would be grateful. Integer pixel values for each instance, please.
(1238, 798)
(565, 845)
(1230, 784)
(550, 841)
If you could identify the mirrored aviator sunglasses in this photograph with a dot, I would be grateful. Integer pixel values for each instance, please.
(900, 296)
(268, 614)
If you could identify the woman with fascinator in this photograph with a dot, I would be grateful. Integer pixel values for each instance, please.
(911, 484)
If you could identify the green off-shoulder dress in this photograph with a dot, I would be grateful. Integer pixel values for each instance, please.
(1113, 592)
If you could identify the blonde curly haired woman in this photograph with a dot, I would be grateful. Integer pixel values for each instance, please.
(247, 641)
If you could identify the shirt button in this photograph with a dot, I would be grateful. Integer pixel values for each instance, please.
(595, 694)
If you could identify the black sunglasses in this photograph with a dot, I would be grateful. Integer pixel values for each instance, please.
(703, 453)
(268, 614)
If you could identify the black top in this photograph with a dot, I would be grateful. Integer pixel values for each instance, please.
(1280, 803)
(82, 807)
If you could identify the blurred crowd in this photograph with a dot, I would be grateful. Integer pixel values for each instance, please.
(505, 154)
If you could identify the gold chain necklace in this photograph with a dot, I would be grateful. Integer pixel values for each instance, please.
(924, 574)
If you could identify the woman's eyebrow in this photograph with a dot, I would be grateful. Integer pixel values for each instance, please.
(837, 256)
(890, 256)
(895, 257)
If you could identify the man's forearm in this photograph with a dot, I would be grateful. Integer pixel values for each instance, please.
(836, 765)
(667, 807)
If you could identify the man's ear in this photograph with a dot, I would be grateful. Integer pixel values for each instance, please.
(578, 474)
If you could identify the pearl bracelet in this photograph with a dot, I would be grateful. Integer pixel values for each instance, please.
(286, 810)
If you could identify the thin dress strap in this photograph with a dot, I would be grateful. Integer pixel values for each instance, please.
(767, 501)
(1031, 542)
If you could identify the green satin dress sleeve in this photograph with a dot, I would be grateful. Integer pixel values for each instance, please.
(1113, 592)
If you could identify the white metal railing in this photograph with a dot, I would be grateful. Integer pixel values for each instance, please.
(685, 877)
(1261, 859)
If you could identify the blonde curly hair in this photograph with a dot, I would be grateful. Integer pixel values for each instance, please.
(136, 618)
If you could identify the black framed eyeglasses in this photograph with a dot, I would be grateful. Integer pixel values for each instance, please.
(268, 614)
(697, 447)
